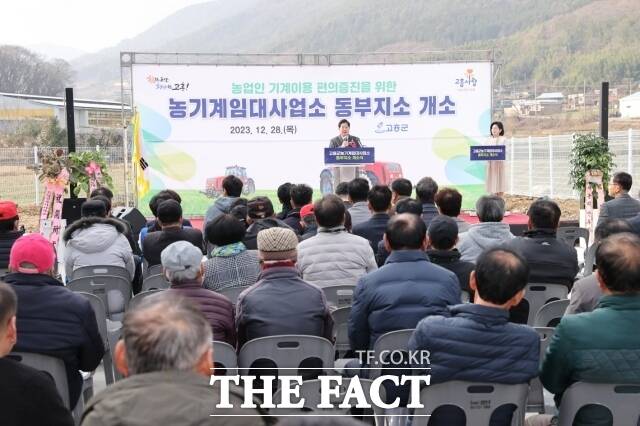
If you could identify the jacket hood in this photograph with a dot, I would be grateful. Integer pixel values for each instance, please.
(486, 234)
(224, 203)
(93, 234)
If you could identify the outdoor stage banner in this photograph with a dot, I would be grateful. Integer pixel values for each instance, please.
(270, 124)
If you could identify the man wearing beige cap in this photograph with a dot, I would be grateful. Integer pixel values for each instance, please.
(281, 302)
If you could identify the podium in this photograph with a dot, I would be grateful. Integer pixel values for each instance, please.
(343, 165)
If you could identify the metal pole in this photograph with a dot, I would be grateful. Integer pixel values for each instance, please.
(550, 166)
(71, 129)
(530, 168)
(604, 110)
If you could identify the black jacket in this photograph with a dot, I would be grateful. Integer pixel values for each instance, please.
(30, 397)
(251, 237)
(281, 302)
(450, 259)
(372, 229)
(550, 260)
(309, 231)
(429, 211)
(155, 242)
(6, 242)
(293, 220)
(52, 320)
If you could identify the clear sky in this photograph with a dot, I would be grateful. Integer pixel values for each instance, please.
(94, 24)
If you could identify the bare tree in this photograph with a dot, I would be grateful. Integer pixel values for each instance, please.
(22, 71)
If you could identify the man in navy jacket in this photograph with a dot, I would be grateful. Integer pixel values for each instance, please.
(379, 199)
(477, 343)
(405, 290)
(52, 320)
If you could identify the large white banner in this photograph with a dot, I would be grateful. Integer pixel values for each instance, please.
(197, 121)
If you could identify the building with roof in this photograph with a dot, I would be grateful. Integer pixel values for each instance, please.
(89, 114)
(630, 106)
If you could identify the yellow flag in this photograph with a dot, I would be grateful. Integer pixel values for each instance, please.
(140, 164)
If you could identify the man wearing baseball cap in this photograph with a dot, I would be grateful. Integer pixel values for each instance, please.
(260, 215)
(308, 222)
(281, 302)
(52, 319)
(9, 231)
(183, 267)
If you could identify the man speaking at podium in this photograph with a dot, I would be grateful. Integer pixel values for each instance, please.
(344, 139)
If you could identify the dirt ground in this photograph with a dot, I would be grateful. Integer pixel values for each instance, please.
(520, 203)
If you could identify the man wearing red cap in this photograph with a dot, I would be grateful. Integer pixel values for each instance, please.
(9, 231)
(308, 222)
(52, 320)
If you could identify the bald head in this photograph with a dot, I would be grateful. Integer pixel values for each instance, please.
(618, 260)
(406, 231)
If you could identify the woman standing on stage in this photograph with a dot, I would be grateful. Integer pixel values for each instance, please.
(496, 181)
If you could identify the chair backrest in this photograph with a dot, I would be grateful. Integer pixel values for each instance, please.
(286, 352)
(340, 328)
(393, 341)
(569, 234)
(152, 270)
(101, 317)
(115, 292)
(53, 366)
(224, 357)
(138, 297)
(477, 400)
(232, 293)
(310, 390)
(539, 294)
(549, 314)
(339, 296)
(155, 282)
(88, 271)
(589, 260)
(621, 400)
(535, 400)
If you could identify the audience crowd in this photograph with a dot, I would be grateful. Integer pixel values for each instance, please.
(409, 263)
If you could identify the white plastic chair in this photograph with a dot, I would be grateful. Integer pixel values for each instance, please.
(477, 400)
(225, 358)
(539, 294)
(550, 312)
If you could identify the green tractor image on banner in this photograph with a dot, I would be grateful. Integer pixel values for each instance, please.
(213, 186)
(379, 173)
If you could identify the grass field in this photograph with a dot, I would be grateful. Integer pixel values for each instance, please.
(195, 203)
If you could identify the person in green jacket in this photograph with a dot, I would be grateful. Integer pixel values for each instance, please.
(604, 345)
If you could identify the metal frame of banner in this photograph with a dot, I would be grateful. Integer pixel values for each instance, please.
(129, 58)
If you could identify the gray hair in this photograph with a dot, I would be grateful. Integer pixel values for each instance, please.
(178, 277)
(490, 208)
(165, 332)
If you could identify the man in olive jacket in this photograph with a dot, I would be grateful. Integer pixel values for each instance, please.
(604, 345)
(167, 357)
